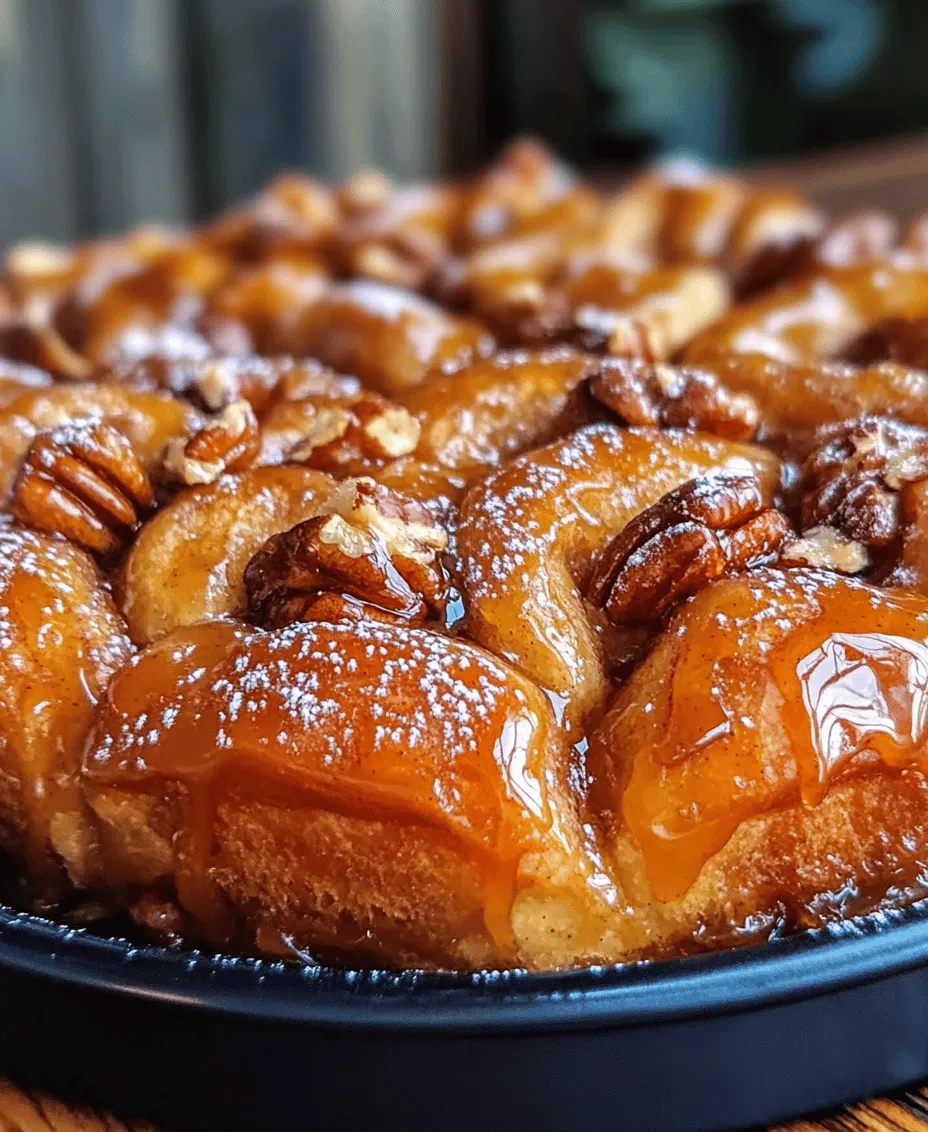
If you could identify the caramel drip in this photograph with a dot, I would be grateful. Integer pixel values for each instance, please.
(313, 717)
(776, 693)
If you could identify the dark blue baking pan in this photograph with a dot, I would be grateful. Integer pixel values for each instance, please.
(728, 1040)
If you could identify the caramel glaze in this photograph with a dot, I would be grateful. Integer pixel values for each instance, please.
(670, 303)
(268, 297)
(387, 337)
(447, 752)
(103, 323)
(16, 378)
(61, 639)
(796, 398)
(770, 754)
(486, 413)
(681, 215)
(489, 411)
(818, 316)
(528, 535)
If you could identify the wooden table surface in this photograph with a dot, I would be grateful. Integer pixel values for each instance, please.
(905, 1111)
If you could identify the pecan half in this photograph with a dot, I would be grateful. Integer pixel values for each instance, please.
(853, 479)
(371, 544)
(228, 443)
(641, 394)
(702, 530)
(83, 481)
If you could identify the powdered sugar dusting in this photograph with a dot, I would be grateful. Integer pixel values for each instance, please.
(410, 717)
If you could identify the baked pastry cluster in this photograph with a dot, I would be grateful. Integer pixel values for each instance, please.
(486, 574)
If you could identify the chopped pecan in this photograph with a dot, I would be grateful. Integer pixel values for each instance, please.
(333, 433)
(83, 481)
(215, 383)
(228, 443)
(640, 393)
(370, 544)
(824, 548)
(853, 479)
(402, 259)
(283, 607)
(702, 530)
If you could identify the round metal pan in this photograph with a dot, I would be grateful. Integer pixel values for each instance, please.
(727, 1040)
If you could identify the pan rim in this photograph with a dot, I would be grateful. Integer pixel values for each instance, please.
(802, 966)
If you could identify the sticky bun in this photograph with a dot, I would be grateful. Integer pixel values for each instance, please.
(494, 573)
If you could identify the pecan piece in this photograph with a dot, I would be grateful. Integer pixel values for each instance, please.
(852, 481)
(704, 529)
(823, 548)
(215, 383)
(371, 544)
(228, 443)
(673, 396)
(83, 481)
(352, 428)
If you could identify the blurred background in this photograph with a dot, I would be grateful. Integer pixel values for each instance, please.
(112, 111)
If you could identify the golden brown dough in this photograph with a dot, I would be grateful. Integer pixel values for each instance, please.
(187, 563)
(765, 766)
(61, 639)
(360, 788)
(528, 536)
(818, 316)
(492, 409)
(456, 655)
(387, 337)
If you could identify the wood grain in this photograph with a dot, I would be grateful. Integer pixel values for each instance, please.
(36, 1112)
(22, 1111)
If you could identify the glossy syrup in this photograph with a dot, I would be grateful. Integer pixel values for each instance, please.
(779, 685)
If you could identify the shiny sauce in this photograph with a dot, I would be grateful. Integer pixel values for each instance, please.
(368, 720)
(778, 686)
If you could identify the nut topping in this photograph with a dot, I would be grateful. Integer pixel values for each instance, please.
(372, 545)
(852, 481)
(228, 443)
(83, 481)
(823, 548)
(331, 432)
(677, 397)
(702, 530)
